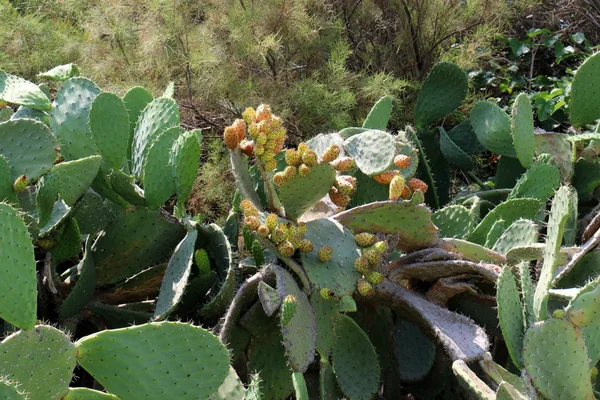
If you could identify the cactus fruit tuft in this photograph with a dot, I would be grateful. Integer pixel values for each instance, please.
(271, 221)
(417, 184)
(309, 157)
(386, 177)
(252, 222)
(374, 277)
(331, 153)
(364, 287)
(231, 138)
(343, 164)
(396, 187)
(402, 161)
(21, 183)
(288, 309)
(304, 170)
(325, 253)
(326, 293)
(292, 157)
(365, 239)
(202, 261)
(361, 265)
(286, 248)
(305, 246)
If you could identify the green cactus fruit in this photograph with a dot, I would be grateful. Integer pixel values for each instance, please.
(552, 346)
(202, 262)
(364, 287)
(293, 157)
(365, 239)
(258, 254)
(326, 293)
(271, 221)
(584, 308)
(325, 253)
(361, 265)
(301, 193)
(278, 235)
(306, 246)
(111, 135)
(522, 130)
(374, 277)
(22, 92)
(373, 257)
(442, 92)
(492, 127)
(304, 170)
(381, 247)
(331, 153)
(18, 293)
(584, 107)
(510, 314)
(559, 314)
(286, 248)
(178, 353)
(288, 308)
(20, 184)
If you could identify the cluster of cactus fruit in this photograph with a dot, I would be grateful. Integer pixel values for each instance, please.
(355, 287)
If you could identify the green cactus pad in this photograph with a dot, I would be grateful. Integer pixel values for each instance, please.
(510, 314)
(591, 336)
(584, 308)
(266, 356)
(588, 267)
(45, 196)
(159, 182)
(522, 232)
(10, 392)
(572, 224)
(61, 213)
(136, 240)
(299, 334)
(351, 131)
(301, 193)
(24, 112)
(495, 232)
(337, 273)
(559, 148)
(239, 167)
(69, 243)
(492, 127)
(135, 100)
(584, 108)
(556, 226)
(442, 92)
(300, 388)
(453, 221)
(412, 223)
(539, 182)
(111, 134)
(464, 137)
(61, 72)
(471, 382)
(521, 124)
(368, 190)
(224, 292)
(379, 116)
(22, 92)
(124, 186)
(506, 391)
(555, 358)
(231, 229)
(69, 118)
(509, 211)
(185, 161)
(83, 291)
(6, 113)
(453, 153)
(18, 286)
(187, 362)
(355, 361)
(119, 317)
(269, 298)
(88, 394)
(7, 193)
(231, 388)
(76, 176)
(327, 315)
(176, 276)
(94, 213)
(414, 351)
(373, 151)
(322, 141)
(41, 359)
(28, 146)
(347, 304)
(159, 115)
(498, 374)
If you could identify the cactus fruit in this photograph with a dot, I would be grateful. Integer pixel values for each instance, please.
(263, 113)
(230, 138)
(302, 147)
(280, 179)
(559, 314)
(417, 184)
(270, 165)
(396, 187)
(202, 261)
(286, 248)
(325, 253)
(292, 157)
(374, 277)
(331, 153)
(402, 161)
(326, 293)
(21, 183)
(373, 256)
(302, 228)
(338, 198)
(290, 172)
(247, 147)
(343, 164)
(248, 208)
(381, 247)
(249, 115)
(344, 187)
(386, 177)
(406, 192)
(365, 239)
(263, 231)
(288, 308)
(364, 287)
(239, 126)
(271, 221)
(361, 264)
(309, 157)
(46, 243)
(303, 170)
(306, 246)
(252, 222)
(279, 234)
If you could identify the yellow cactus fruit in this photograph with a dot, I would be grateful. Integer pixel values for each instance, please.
(306, 246)
(272, 221)
(252, 222)
(365, 239)
(261, 139)
(309, 157)
(253, 130)
(263, 112)
(270, 165)
(248, 208)
(239, 125)
(396, 187)
(249, 115)
(290, 172)
(293, 158)
(303, 170)
(361, 264)
(302, 147)
(364, 287)
(338, 198)
(230, 137)
(374, 277)
(344, 187)
(21, 183)
(302, 228)
(280, 179)
(325, 253)
(343, 164)
(263, 231)
(385, 177)
(259, 150)
(286, 248)
(331, 153)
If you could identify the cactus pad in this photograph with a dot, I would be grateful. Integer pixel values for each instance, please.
(301, 193)
(22, 92)
(186, 361)
(492, 127)
(454, 221)
(584, 108)
(111, 134)
(269, 298)
(338, 272)
(415, 352)
(443, 90)
(539, 182)
(29, 113)
(18, 286)
(176, 276)
(231, 388)
(471, 382)
(355, 361)
(69, 118)
(28, 147)
(379, 116)
(159, 184)
(83, 291)
(327, 315)
(41, 359)
(412, 223)
(159, 115)
(61, 72)
(76, 176)
(10, 392)
(584, 308)
(185, 161)
(510, 314)
(322, 141)
(555, 358)
(522, 232)
(373, 151)
(88, 394)
(135, 100)
(521, 124)
(7, 194)
(453, 153)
